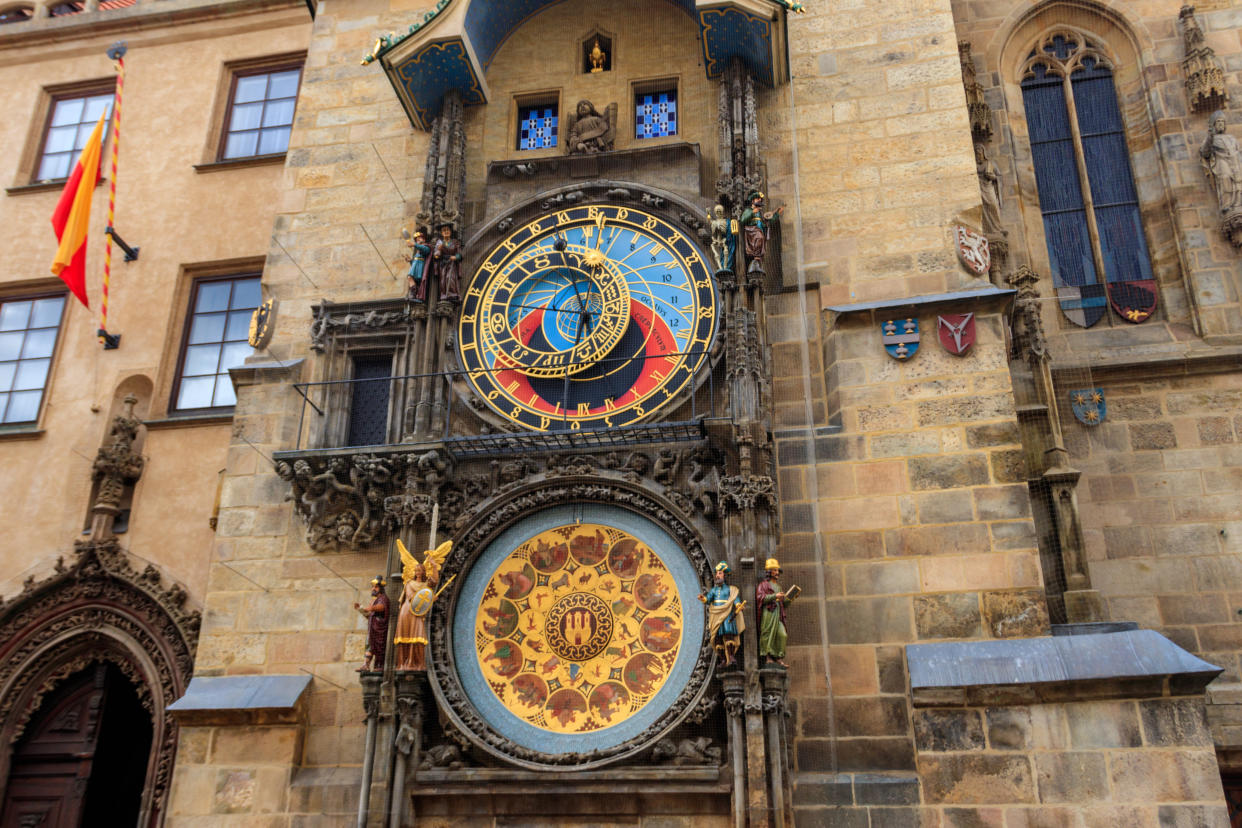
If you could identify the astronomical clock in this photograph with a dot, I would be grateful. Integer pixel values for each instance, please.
(575, 635)
(590, 317)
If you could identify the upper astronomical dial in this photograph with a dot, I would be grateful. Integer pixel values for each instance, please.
(591, 317)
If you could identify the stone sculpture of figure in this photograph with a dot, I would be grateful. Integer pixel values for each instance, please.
(376, 614)
(724, 242)
(989, 188)
(416, 285)
(590, 132)
(446, 263)
(1222, 160)
(771, 603)
(418, 593)
(725, 620)
(756, 226)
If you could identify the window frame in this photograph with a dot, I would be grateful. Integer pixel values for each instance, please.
(187, 323)
(24, 296)
(51, 97)
(266, 66)
(654, 86)
(547, 97)
(1065, 68)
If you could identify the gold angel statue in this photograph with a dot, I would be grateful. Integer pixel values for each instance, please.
(418, 593)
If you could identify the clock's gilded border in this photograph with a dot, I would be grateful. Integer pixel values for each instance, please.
(496, 515)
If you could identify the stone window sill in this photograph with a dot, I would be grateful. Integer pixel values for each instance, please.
(23, 431)
(206, 418)
(241, 163)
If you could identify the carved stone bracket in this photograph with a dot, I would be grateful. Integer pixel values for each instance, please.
(1205, 77)
(980, 112)
(485, 522)
(99, 609)
(744, 493)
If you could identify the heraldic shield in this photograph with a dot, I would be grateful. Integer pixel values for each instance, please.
(1088, 405)
(901, 337)
(1085, 305)
(974, 251)
(1134, 301)
(956, 332)
(422, 601)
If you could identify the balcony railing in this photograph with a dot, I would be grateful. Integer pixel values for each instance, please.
(403, 412)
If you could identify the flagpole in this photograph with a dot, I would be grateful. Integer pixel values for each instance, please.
(117, 53)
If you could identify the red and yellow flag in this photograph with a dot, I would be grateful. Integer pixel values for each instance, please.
(73, 214)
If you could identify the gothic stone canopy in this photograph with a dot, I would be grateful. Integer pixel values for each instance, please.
(452, 47)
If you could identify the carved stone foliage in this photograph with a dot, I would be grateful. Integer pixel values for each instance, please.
(742, 493)
(99, 609)
(980, 112)
(488, 520)
(349, 502)
(1205, 77)
(329, 319)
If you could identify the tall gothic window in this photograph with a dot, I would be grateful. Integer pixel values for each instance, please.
(1090, 208)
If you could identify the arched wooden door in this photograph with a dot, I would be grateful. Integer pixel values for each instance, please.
(83, 759)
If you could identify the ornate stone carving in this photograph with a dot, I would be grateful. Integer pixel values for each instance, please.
(1028, 324)
(1205, 77)
(328, 319)
(1222, 162)
(740, 170)
(78, 616)
(746, 492)
(695, 751)
(444, 177)
(590, 132)
(990, 192)
(980, 112)
(116, 466)
(491, 517)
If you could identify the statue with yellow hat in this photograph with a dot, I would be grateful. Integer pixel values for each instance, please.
(725, 620)
(771, 602)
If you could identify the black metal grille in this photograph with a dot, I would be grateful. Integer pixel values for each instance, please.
(368, 404)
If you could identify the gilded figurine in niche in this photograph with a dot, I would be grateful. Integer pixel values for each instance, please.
(446, 264)
(725, 619)
(376, 614)
(597, 57)
(772, 602)
(591, 132)
(418, 593)
(989, 191)
(415, 284)
(757, 229)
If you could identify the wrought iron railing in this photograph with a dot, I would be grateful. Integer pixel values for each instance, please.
(420, 409)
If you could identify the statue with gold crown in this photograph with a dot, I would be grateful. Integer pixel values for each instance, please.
(771, 602)
(418, 593)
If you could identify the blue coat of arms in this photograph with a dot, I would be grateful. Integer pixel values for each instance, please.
(1088, 405)
(901, 338)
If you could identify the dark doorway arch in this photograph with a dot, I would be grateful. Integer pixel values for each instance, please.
(131, 635)
(83, 757)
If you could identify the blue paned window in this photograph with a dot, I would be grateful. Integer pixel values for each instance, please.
(536, 127)
(1100, 141)
(655, 114)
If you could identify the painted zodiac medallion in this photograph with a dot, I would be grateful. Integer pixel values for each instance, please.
(578, 628)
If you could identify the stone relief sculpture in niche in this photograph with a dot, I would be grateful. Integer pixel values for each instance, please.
(1222, 161)
(989, 188)
(589, 131)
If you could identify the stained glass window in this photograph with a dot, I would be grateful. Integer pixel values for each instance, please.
(1100, 140)
(536, 127)
(655, 114)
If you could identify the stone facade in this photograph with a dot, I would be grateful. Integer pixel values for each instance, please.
(938, 498)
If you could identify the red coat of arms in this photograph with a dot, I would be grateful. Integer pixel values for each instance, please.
(973, 250)
(956, 332)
